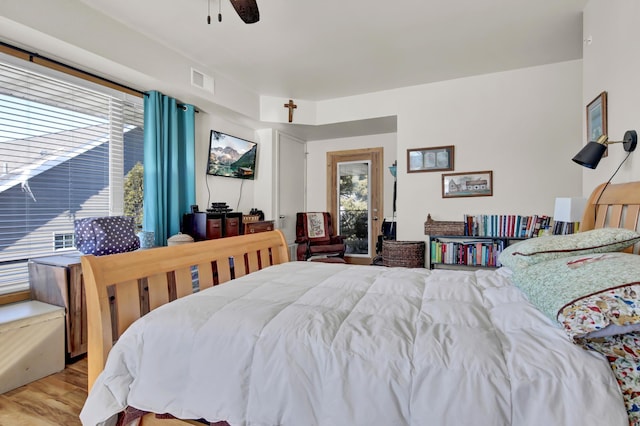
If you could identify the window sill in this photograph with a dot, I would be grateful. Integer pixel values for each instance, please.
(18, 296)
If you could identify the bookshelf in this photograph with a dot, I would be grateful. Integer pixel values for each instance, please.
(466, 251)
(477, 241)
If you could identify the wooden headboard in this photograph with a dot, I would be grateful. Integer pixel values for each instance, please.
(120, 288)
(614, 205)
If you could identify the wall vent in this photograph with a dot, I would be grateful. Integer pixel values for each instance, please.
(201, 80)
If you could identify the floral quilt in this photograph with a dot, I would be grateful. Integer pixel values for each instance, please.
(623, 353)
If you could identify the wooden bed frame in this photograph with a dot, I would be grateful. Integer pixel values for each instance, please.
(120, 288)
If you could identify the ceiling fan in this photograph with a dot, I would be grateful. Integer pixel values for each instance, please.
(246, 9)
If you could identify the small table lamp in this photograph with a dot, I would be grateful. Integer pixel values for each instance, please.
(569, 209)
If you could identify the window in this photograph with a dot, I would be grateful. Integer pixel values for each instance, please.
(63, 241)
(66, 149)
(354, 206)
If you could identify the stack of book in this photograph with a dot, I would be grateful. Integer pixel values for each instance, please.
(466, 252)
(505, 225)
(564, 228)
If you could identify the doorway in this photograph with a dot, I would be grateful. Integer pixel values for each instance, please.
(354, 197)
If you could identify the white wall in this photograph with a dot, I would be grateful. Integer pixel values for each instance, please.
(237, 193)
(524, 125)
(263, 195)
(611, 64)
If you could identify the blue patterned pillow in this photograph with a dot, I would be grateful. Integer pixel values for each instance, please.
(106, 235)
(84, 237)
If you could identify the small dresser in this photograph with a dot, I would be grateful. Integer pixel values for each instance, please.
(58, 280)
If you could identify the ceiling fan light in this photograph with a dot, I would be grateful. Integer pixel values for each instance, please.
(247, 10)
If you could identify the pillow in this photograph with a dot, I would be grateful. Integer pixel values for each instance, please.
(594, 295)
(534, 250)
(106, 235)
(317, 227)
(84, 237)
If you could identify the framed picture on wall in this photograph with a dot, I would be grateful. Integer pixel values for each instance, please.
(597, 118)
(435, 159)
(467, 184)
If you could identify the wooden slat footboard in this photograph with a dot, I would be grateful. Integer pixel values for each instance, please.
(120, 288)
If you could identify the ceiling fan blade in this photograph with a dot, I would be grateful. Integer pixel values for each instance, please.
(247, 10)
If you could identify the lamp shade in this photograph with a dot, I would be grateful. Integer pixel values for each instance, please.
(569, 209)
(590, 155)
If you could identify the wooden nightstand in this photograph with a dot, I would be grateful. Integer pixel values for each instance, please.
(58, 280)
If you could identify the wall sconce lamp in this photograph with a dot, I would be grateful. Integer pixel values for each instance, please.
(590, 155)
(393, 168)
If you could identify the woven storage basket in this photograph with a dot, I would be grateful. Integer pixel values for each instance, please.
(409, 254)
(437, 227)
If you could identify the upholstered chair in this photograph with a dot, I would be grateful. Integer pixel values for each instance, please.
(315, 236)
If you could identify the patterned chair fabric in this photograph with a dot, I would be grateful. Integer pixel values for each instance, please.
(315, 236)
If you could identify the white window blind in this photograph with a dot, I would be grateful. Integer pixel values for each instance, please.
(65, 149)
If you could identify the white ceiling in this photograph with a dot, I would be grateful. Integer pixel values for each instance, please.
(324, 49)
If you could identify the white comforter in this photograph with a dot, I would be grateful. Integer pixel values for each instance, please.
(307, 343)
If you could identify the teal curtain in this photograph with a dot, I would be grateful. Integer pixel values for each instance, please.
(169, 164)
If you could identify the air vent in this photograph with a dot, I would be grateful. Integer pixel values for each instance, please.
(201, 80)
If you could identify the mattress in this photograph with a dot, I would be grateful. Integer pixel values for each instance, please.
(308, 343)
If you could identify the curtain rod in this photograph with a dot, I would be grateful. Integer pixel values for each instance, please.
(184, 107)
(180, 104)
(59, 66)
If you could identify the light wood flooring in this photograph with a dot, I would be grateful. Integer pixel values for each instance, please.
(52, 401)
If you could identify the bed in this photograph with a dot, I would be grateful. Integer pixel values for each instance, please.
(264, 341)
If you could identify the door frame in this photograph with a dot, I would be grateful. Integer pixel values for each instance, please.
(376, 158)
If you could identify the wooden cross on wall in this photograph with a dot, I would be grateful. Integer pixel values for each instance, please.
(291, 107)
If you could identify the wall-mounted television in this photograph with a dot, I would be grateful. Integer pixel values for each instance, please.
(230, 156)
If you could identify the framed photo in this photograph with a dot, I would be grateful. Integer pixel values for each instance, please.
(435, 159)
(597, 118)
(468, 184)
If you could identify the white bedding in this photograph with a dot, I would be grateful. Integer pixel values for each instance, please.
(308, 343)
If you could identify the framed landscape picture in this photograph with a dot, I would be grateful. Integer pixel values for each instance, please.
(597, 118)
(467, 184)
(435, 159)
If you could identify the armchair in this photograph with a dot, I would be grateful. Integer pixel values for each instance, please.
(315, 236)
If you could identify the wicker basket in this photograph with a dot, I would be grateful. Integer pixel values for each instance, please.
(436, 227)
(409, 254)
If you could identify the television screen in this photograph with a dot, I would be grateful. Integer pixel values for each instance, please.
(231, 156)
